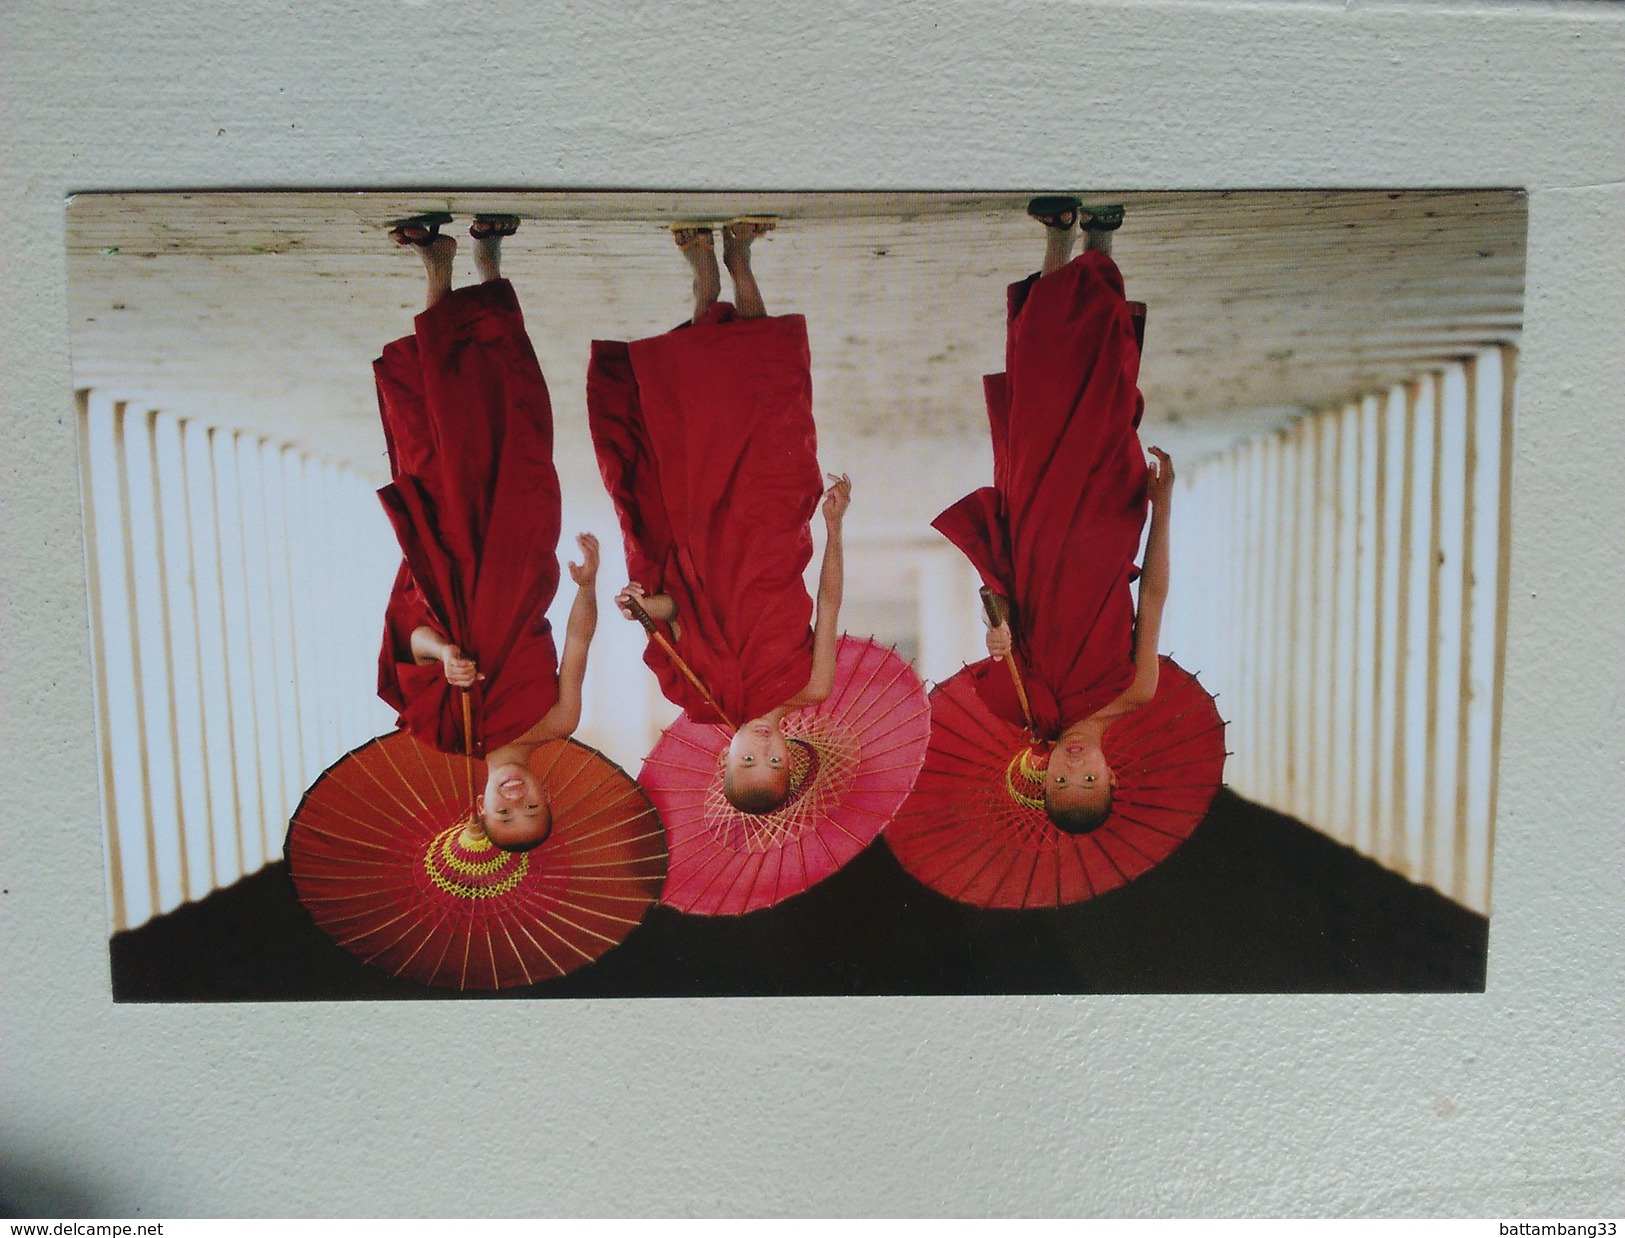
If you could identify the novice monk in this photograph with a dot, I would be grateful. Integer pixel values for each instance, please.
(1058, 530)
(475, 505)
(706, 442)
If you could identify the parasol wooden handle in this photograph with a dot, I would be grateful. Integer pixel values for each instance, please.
(994, 607)
(468, 723)
(642, 616)
(997, 610)
(468, 751)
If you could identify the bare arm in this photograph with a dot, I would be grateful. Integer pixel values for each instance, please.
(562, 720)
(1153, 592)
(831, 578)
(429, 646)
(660, 606)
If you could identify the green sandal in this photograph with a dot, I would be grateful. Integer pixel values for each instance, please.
(1048, 208)
(1101, 218)
(428, 224)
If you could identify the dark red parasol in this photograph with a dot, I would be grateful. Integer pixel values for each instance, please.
(975, 829)
(854, 757)
(381, 860)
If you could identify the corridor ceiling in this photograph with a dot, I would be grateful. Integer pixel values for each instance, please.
(264, 310)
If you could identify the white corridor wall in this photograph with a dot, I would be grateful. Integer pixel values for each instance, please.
(1342, 585)
(236, 587)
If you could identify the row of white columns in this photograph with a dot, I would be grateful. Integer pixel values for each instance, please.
(1342, 584)
(236, 588)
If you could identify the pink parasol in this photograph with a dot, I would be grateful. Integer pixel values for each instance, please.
(853, 759)
(975, 829)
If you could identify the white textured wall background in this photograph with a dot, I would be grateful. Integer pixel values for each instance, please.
(1500, 1104)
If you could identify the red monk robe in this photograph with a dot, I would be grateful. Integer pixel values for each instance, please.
(706, 442)
(475, 505)
(1058, 530)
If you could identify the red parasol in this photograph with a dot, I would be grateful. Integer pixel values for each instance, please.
(380, 858)
(854, 758)
(975, 829)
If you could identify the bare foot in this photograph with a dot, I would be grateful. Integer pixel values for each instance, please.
(699, 247)
(437, 260)
(1058, 242)
(1099, 223)
(1059, 213)
(488, 258)
(488, 231)
(737, 236)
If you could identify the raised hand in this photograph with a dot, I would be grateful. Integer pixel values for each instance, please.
(1160, 482)
(837, 498)
(460, 671)
(585, 573)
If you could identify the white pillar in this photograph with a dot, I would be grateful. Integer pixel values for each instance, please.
(185, 669)
(1390, 764)
(1346, 609)
(948, 608)
(1323, 639)
(273, 490)
(1421, 576)
(1298, 655)
(1489, 440)
(218, 750)
(152, 661)
(1447, 831)
(123, 741)
(245, 709)
(1368, 619)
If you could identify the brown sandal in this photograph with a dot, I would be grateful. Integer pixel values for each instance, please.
(704, 232)
(770, 222)
(485, 227)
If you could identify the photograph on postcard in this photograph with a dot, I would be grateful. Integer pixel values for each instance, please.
(558, 594)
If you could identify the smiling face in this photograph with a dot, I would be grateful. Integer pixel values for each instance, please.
(1078, 786)
(515, 809)
(757, 776)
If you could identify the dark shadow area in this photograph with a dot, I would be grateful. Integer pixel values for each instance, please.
(40, 1187)
(1254, 902)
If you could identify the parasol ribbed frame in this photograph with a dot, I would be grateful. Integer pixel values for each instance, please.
(866, 743)
(379, 857)
(969, 832)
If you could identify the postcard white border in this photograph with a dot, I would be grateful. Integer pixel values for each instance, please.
(1473, 1105)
